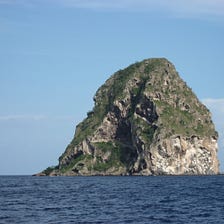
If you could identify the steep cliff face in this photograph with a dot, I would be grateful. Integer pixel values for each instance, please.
(146, 121)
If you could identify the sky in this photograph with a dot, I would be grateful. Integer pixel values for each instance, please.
(55, 54)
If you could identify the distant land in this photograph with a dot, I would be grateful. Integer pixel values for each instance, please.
(145, 121)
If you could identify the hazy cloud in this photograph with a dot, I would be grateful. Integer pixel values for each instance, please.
(6, 2)
(33, 118)
(18, 2)
(176, 7)
(216, 106)
(182, 8)
(22, 117)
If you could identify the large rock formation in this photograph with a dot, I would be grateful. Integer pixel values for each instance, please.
(146, 121)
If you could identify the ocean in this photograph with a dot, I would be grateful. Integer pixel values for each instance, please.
(130, 199)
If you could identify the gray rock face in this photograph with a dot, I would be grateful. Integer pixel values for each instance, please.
(146, 121)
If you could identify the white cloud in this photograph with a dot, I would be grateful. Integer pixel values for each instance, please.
(216, 106)
(176, 7)
(6, 2)
(6, 118)
(22, 117)
(17, 2)
(180, 8)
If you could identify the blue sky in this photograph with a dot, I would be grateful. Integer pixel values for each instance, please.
(55, 54)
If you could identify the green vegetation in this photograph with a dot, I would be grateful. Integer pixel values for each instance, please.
(148, 133)
(73, 162)
(153, 64)
(146, 130)
(120, 80)
(177, 121)
(49, 170)
(86, 128)
(114, 159)
(105, 98)
(107, 94)
(104, 166)
(105, 146)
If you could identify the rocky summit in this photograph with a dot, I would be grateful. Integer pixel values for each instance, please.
(145, 121)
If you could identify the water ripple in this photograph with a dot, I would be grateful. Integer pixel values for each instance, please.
(141, 200)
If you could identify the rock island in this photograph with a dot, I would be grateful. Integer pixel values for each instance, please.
(145, 121)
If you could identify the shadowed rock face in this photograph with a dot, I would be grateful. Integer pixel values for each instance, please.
(145, 121)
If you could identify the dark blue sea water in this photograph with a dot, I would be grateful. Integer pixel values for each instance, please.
(156, 199)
